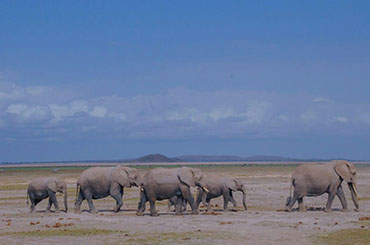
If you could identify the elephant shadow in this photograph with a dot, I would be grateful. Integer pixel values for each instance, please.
(317, 209)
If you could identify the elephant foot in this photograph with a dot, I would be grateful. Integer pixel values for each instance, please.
(93, 211)
(195, 212)
(302, 209)
(345, 210)
(48, 210)
(288, 209)
(179, 214)
(139, 214)
(116, 210)
(328, 210)
(356, 210)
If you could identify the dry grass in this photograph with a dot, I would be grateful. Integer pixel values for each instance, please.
(350, 236)
(60, 232)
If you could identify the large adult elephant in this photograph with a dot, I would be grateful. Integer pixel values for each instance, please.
(100, 182)
(162, 183)
(218, 185)
(42, 188)
(317, 179)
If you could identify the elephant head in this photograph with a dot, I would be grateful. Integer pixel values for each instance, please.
(125, 176)
(59, 186)
(347, 172)
(192, 177)
(236, 185)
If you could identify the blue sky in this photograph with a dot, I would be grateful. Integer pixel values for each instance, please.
(96, 80)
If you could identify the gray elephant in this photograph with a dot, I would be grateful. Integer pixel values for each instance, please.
(162, 183)
(317, 179)
(43, 188)
(218, 185)
(99, 182)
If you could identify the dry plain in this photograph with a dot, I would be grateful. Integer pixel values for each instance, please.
(264, 222)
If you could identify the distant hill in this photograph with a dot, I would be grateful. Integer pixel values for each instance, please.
(155, 158)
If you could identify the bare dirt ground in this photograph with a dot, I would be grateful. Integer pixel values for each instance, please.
(264, 222)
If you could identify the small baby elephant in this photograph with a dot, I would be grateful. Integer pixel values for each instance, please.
(42, 188)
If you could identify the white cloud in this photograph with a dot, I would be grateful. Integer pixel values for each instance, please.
(221, 113)
(341, 119)
(29, 113)
(308, 116)
(99, 111)
(320, 100)
(69, 110)
(256, 111)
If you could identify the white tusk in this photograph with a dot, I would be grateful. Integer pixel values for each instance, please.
(205, 189)
(354, 189)
(141, 189)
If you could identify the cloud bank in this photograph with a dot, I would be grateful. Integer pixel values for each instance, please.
(57, 113)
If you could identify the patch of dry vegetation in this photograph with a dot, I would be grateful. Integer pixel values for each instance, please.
(60, 232)
(350, 236)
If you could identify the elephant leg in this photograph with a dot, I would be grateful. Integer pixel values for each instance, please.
(179, 204)
(33, 203)
(232, 200)
(226, 196)
(330, 201)
(153, 212)
(88, 197)
(49, 205)
(301, 207)
(78, 202)
(117, 193)
(141, 204)
(186, 194)
(199, 198)
(292, 201)
(184, 204)
(342, 198)
(208, 202)
(54, 200)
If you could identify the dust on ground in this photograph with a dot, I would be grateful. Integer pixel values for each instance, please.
(264, 222)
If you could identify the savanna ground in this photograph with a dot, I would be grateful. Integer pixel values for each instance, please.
(264, 222)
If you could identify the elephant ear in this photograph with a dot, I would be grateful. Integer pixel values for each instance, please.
(345, 170)
(120, 176)
(52, 185)
(231, 184)
(186, 175)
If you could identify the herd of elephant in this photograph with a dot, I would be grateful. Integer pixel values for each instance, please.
(174, 184)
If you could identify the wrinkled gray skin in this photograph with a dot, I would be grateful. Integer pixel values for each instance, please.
(317, 179)
(98, 182)
(43, 188)
(218, 185)
(162, 183)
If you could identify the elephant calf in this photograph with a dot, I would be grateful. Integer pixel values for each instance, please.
(42, 188)
(98, 182)
(317, 179)
(218, 185)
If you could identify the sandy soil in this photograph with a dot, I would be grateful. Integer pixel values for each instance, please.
(264, 222)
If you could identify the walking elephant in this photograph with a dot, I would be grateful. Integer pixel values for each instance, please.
(43, 188)
(162, 183)
(100, 182)
(317, 179)
(218, 185)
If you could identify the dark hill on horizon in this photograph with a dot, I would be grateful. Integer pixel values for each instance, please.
(154, 158)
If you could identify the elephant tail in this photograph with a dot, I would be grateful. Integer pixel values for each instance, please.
(28, 197)
(77, 190)
(290, 192)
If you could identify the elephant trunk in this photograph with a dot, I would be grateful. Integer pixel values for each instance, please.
(354, 194)
(243, 190)
(65, 201)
